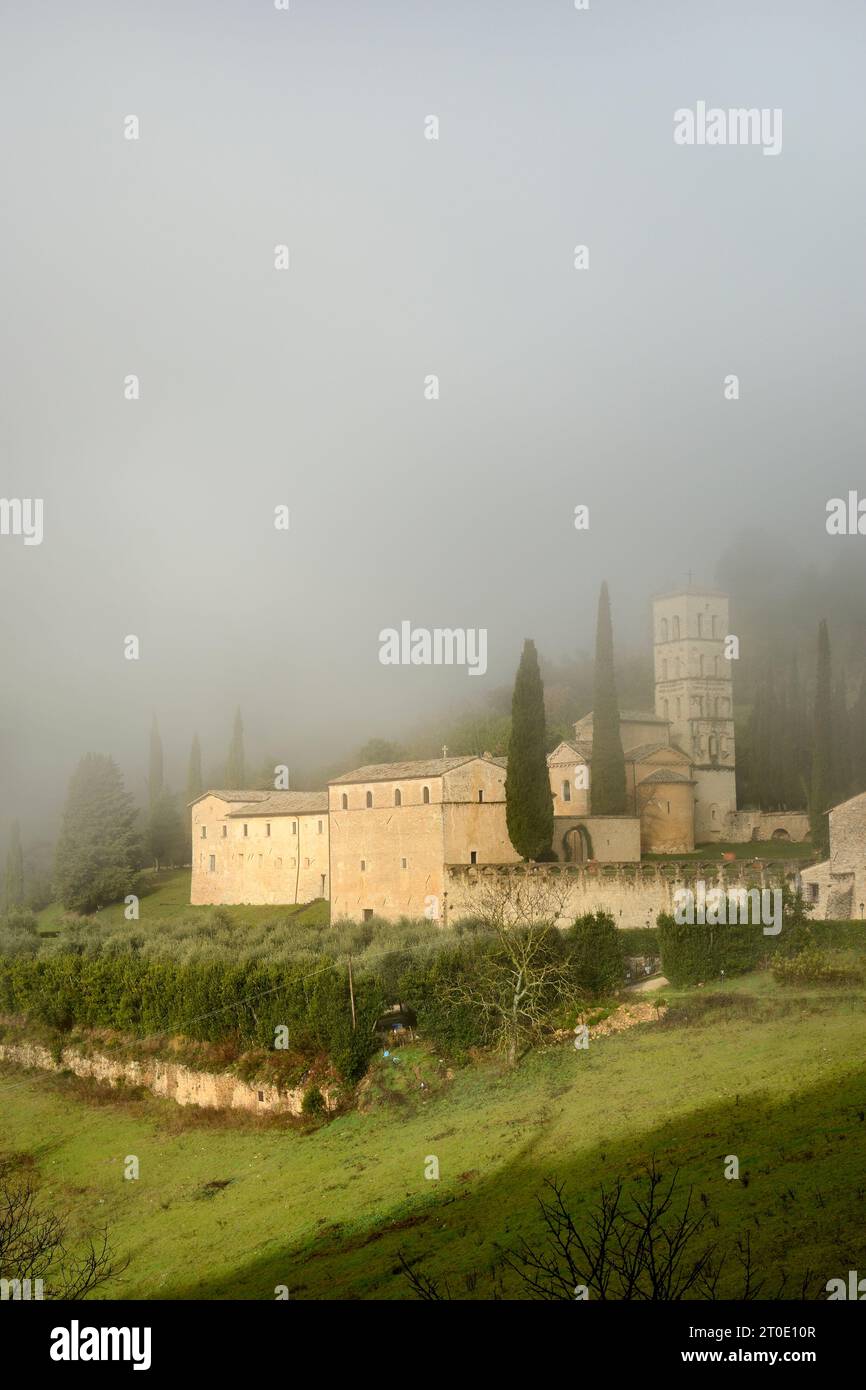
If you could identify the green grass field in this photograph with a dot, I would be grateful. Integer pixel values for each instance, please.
(773, 1077)
(165, 899)
(748, 849)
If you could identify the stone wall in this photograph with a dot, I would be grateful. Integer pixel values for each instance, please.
(634, 895)
(210, 1090)
(614, 839)
(741, 826)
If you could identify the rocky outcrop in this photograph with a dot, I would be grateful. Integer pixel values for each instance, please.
(210, 1090)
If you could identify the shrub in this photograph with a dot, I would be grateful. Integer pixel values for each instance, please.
(813, 966)
(692, 953)
(596, 952)
(313, 1102)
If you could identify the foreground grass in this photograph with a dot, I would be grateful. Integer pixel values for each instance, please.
(774, 1078)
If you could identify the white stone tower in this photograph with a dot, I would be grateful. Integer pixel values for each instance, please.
(694, 691)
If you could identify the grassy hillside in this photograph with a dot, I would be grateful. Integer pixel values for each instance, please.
(165, 899)
(773, 1077)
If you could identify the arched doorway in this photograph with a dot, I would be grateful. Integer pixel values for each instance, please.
(577, 845)
(780, 833)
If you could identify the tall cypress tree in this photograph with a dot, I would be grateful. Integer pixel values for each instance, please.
(14, 869)
(822, 747)
(155, 777)
(235, 767)
(528, 799)
(607, 774)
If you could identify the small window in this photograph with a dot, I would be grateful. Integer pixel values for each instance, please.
(363, 866)
(368, 914)
(268, 828)
(398, 797)
(225, 831)
(204, 832)
(473, 856)
(813, 892)
(669, 808)
(294, 827)
(566, 790)
(404, 863)
(425, 796)
(480, 793)
(261, 1095)
(320, 827)
(246, 831)
(369, 798)
(344, 802)
(212, 863)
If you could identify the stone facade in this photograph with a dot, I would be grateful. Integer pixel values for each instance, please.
(836, 888)
(259, 847)
(394, 827)
(604, 839)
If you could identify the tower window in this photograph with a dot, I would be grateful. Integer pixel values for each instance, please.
(344, 802)
(268, 829)
(473, 856)
(204, 832)
(294, 827)
(369, 798)
(320, 827)
(225, 831)
(480, 793)
(425, 796)
(363, 865)
(212, 862)
(566, 791)
(246, 831)
(404, 863)
(398, 797)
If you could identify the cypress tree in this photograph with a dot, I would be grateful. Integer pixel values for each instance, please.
(14, 869)
(155, 778)
(235, 767)
(98, 851)
(607, 774)
(528, 799)
(194, 785)
(822, 747)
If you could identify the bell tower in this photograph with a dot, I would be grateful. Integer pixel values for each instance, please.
(694, 692)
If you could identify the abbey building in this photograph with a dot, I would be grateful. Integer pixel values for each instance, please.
(383, 839)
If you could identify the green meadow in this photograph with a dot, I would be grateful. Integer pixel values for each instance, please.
(230, 1207)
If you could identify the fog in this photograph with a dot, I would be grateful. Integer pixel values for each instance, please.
(408, 257)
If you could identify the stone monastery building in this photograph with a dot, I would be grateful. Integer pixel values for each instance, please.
(383, 840)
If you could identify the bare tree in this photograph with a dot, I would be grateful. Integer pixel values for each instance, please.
(524, 975)
(33, 1244)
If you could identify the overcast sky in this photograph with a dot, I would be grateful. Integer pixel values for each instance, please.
(408, 257)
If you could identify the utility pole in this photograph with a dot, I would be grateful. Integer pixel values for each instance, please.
(352, 994)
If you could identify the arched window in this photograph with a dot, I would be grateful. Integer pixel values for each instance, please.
(425, 796)
(369, 798)
(344, 802)
(676, 629)
(664, 630)
(566, 790)
(398, 797)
